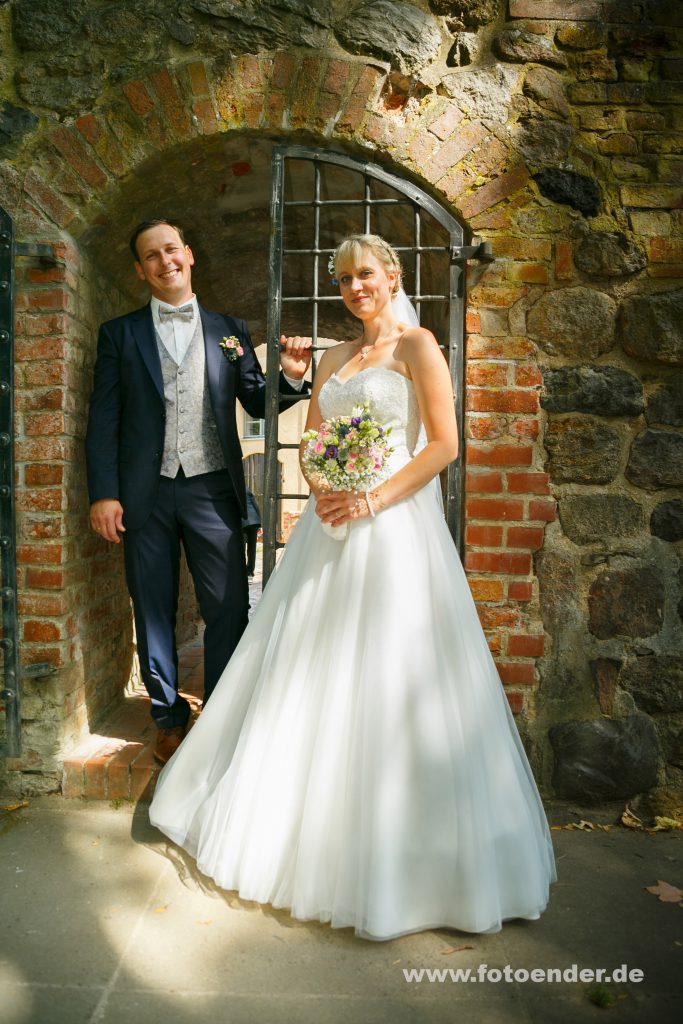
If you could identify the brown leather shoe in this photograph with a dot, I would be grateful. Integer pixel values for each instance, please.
(168, 741)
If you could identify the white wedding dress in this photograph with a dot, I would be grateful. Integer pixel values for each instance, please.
(358, 762)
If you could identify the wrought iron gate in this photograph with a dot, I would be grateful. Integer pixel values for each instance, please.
(319, 197)
(10, 744)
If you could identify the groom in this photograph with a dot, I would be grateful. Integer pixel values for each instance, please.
(165, 464)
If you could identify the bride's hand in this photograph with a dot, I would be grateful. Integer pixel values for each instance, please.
(339, 507)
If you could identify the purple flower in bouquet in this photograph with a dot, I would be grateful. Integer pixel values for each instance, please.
(349, 453)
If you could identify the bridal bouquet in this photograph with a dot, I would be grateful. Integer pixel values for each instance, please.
(348, 453)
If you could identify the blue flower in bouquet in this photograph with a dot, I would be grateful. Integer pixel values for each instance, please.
(331, 452)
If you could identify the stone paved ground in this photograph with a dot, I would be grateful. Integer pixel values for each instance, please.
(105, 922)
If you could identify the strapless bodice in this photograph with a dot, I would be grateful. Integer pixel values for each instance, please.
(392, 401)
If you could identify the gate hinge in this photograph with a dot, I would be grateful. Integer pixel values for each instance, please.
(481, 251)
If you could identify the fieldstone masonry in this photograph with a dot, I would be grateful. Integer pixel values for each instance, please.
(554, 130)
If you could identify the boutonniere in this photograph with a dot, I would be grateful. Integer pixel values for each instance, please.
(232, 349)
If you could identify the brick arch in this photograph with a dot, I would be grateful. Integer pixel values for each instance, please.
(336, 99)
(74, 609)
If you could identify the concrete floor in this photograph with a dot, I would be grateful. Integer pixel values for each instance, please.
(105, 922)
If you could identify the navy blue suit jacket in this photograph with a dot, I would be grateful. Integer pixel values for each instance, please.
(125, 435)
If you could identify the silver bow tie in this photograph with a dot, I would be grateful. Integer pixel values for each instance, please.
(185, 312)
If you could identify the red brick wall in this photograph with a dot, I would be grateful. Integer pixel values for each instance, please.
(507, 490)
(74, 610)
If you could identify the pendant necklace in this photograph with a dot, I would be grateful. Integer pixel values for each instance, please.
(364, 349)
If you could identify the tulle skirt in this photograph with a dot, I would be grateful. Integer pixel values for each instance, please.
(358, 762)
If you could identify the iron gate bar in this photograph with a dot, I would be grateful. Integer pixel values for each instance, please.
(316, 242)
(270, 468)
(399, 248)
(418, 262)
(335, 298)
(10, 693)
(457, 255)
(347, 202)
(454, 508)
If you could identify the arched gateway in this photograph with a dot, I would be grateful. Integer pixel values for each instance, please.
(195, 143)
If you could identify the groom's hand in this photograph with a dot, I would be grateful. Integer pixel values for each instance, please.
(106, 518)
(295, 355)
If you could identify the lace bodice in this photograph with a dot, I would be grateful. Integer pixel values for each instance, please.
(391, 398)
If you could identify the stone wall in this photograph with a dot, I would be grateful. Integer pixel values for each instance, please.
(552, 129)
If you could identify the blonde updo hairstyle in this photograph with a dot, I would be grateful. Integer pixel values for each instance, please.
(350, 252)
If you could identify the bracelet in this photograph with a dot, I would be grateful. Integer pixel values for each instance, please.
(370, 508)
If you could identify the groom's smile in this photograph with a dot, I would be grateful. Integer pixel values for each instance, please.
(165, 263)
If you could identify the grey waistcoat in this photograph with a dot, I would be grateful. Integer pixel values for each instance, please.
(191, 436)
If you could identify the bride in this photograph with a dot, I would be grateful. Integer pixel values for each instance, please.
(358, 762)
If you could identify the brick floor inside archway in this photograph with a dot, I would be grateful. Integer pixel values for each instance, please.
(116, 762)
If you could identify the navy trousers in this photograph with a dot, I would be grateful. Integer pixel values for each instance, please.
(202, 513)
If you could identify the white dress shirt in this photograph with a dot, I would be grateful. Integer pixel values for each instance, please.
(176, 335)
(175, 332)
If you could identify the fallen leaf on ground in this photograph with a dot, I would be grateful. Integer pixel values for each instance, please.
(582, 826)
(629, 819)
(666, 893)
(663, 824)
(15, 807)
